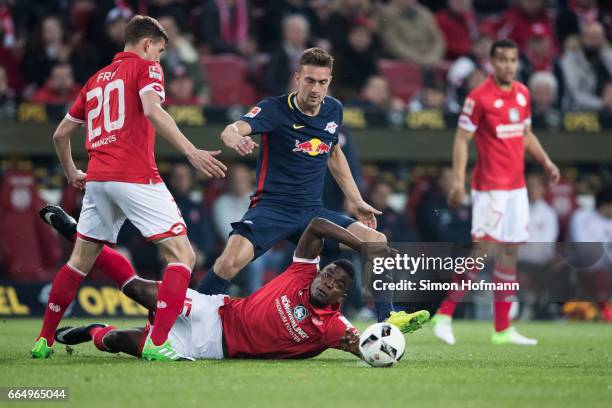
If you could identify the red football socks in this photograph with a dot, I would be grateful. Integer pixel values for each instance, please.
(170, 300)
(448, 306)
(63, 290)
(97, 335)
(503, 298)
(116, 266)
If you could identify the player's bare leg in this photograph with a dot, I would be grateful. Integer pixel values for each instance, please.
(63, 291)
(180, 258)
(238, 252)
(106, 338)
(505, 272)
(384, 306)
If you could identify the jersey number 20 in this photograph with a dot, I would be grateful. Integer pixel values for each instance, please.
(103, 98)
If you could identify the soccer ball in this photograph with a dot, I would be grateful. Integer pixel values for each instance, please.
(382, 345)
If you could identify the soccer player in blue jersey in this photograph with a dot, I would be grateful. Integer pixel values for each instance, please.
(299, 142)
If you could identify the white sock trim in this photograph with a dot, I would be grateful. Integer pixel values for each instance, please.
(180, 264)
(102, 341)
(504, 276)
(76, 270)
(126, 282)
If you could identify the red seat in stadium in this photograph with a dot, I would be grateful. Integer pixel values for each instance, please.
(227, 75)
(405, 78)
(29, 249)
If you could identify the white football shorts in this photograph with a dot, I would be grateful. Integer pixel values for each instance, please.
(198, 332)
(500, 215)
(107, 204)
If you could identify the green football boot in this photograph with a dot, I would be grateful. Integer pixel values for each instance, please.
(164, 352)
(511, 336)
(408, 322)
(41, 349)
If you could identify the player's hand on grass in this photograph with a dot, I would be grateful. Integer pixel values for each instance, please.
(552, 171)
(76, 179)
(372, 250)
(350, 341)
(456, 195)
(205, 162)
(365, 213)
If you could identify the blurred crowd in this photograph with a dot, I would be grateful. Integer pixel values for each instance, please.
(390, 54)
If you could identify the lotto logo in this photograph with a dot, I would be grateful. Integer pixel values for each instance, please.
(177, 229)
(54, 308)
(161, 304)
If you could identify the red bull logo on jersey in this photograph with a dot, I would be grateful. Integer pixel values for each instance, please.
(312, 147)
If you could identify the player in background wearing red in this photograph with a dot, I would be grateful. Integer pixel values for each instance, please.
(121, 107)
(498, 115)
(296, 315)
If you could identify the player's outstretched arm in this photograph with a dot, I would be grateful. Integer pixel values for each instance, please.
(460, 159)
(236, 137)
(340, 170)
(163, 123)
(311, 242)
(61, 140)
(535, 150)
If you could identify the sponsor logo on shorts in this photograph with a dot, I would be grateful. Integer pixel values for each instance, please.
(161, 304)
(178, 229)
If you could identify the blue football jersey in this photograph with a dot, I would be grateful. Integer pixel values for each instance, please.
(294, 149)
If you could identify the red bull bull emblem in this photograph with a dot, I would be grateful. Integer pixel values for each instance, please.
(312, 147)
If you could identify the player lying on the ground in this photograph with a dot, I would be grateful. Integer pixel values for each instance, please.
(296, 315)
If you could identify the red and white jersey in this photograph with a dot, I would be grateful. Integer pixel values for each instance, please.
(278, 321)
(498, 118)
(120, 139)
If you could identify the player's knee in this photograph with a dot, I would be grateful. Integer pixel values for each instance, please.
(227, 266)
(376, 236)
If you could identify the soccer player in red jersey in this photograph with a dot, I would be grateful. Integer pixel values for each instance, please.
(497, 114)
(296, 315)
(120, 106)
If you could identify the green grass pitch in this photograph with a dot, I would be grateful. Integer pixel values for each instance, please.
(572, 366)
